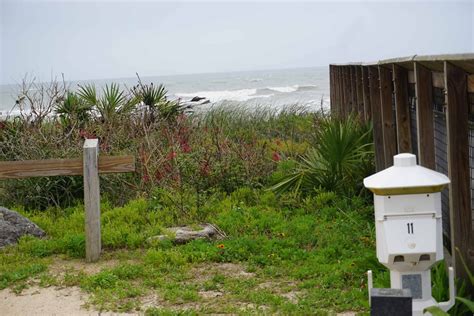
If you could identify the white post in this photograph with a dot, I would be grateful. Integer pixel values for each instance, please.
(370, 285)
(92, 199)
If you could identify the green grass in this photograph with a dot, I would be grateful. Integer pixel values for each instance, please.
(282, 255)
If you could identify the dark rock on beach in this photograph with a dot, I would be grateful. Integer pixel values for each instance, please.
(196, 99)
(13, 226)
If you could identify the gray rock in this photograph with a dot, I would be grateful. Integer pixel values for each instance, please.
(184, 234)
(196, 99)
(13, 226)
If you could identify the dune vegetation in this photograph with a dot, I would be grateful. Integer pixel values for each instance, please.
(285, 187)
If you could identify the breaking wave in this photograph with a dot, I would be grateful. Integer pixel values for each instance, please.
(224, 95)
(245, 94)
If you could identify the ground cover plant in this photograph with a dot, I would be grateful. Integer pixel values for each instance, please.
(283, 254)
(339, 160)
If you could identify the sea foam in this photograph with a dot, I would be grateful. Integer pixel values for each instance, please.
(224, 95)
(245, 94)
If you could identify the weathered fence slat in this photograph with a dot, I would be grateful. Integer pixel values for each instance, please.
(342, 92)
(62, 167)
(347, 93)
(360, 94)
(353, 90)
(376, 118)
(339, 92)
(400, 78)
(424, 116)
(388, 122)
(458, 166)
(331, 89)
(366, 93)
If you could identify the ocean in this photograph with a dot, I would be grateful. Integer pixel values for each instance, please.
(307, 87)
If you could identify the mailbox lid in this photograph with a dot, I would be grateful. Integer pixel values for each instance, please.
(406, 177)
(410, 204)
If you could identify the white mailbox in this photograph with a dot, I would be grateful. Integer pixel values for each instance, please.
(407, 203)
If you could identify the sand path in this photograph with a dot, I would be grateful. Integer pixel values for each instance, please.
(46, 301)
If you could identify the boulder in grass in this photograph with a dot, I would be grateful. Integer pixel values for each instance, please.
(13, 226)
(207, 231)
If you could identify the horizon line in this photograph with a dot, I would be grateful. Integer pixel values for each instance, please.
(150, 76)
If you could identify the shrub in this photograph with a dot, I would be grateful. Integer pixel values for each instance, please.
(73, 110)
(112, 104)
(157, 105)
(341, 157)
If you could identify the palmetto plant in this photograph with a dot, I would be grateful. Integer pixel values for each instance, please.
(111, 104)
(152, 95)
(73, 110)
(156, 101)
(341, 157)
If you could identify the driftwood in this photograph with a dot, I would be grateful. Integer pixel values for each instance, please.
(184, 234)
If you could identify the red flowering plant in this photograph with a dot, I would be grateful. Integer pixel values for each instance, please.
(276, 156)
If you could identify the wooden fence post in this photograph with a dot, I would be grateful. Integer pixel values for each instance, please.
(388, 126)
(376, 117)
(458, 167)
(400, 78)
(424, 116)
(92, 199)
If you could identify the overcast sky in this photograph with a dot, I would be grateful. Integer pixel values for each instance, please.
(105, 39)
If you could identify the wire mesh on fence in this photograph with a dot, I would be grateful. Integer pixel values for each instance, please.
(394, 109)
(471, 151)
(441, 150)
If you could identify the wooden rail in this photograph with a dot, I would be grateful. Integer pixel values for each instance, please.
(62, 167)
(383, 86)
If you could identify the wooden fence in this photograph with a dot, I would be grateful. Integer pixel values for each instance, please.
(89, 167)
(423, 105)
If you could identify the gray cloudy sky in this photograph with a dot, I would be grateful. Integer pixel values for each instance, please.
(106, 39)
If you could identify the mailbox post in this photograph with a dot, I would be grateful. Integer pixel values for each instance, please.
(407, 204)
